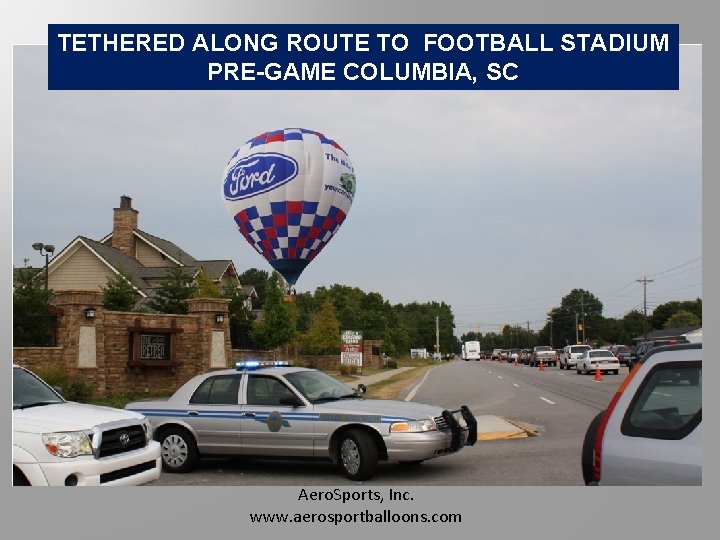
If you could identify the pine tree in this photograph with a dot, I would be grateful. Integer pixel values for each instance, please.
(30, 310)
(206, 287)
(278, 324)
(119, 293)
(173, 294)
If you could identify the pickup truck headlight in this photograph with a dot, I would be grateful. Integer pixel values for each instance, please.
(148, 430)
(68, 444)
(415, 426)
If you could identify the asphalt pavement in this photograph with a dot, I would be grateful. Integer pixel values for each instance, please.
(490, 427)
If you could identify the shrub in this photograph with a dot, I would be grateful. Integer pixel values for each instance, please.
(348, 369)
(73, 389)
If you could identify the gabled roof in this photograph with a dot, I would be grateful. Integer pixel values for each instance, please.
(168, 249)
(176, 254)
(216, 269)
(249, 291)
(115, 259)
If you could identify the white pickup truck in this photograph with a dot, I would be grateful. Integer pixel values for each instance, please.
(544, 354)
(62, 443)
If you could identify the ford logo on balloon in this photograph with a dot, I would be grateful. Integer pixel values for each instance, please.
(288, 192)
(257, 174)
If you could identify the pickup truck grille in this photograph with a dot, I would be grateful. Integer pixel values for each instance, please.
(121, 440)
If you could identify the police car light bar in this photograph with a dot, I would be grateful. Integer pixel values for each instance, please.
(249, 365)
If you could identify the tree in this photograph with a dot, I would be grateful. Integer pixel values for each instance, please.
(258, 279)
(240, 315)
(206, 287)
(173, 294)
(323, 336)
(278, 324)
(663, 312)
(581, 304)
(119, 294)
(682, 318)
(30, 310)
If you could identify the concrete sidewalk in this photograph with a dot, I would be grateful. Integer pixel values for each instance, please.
(490, 427)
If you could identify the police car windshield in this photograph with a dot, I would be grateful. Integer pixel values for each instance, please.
(317, 386)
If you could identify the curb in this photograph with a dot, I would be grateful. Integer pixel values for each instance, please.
(529, 429)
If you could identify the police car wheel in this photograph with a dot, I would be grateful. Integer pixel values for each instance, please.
(357, 455)
(178, 450)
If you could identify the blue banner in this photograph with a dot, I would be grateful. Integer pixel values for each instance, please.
(363, 57)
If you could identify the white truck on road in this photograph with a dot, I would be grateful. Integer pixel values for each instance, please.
(471, 350)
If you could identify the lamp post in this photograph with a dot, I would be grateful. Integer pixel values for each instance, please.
(47, 250)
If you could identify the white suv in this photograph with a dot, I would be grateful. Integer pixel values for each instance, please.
(62, 443)
(651, 432)
(570, 355)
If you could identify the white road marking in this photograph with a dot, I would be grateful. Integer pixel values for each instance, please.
(499, 376)
(414, 390)
(515, 384)
(547, 400)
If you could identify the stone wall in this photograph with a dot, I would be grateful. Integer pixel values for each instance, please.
(99, 349)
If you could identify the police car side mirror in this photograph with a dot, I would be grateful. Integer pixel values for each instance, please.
(291, 401)
(361, 389)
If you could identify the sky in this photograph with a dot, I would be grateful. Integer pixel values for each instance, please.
(498, 203)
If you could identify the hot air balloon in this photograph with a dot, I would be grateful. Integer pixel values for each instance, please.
(288, 192)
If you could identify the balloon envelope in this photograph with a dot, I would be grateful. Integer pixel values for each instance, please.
(288, 192)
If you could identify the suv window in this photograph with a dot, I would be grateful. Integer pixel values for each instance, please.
(579, 348)
(668, 405)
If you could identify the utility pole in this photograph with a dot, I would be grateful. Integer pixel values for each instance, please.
(644, 281)
(437, 338)
(528, 334)
(582, 308)
(576, 329)
(550, 320)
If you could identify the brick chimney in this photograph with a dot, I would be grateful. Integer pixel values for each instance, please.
(125, 221)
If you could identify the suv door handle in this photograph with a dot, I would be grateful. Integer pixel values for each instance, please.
(249, 415)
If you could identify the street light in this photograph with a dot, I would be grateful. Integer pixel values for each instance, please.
(47, 250)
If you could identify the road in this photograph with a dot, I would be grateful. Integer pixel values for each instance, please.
(559, 403)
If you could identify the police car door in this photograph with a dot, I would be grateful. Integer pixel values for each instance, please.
(271, 426)
(214, 414)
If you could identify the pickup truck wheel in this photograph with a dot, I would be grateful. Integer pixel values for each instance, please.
(357, 455)
(19, 478)
(178, 450)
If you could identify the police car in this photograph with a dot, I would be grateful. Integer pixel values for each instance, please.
(278, 410)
